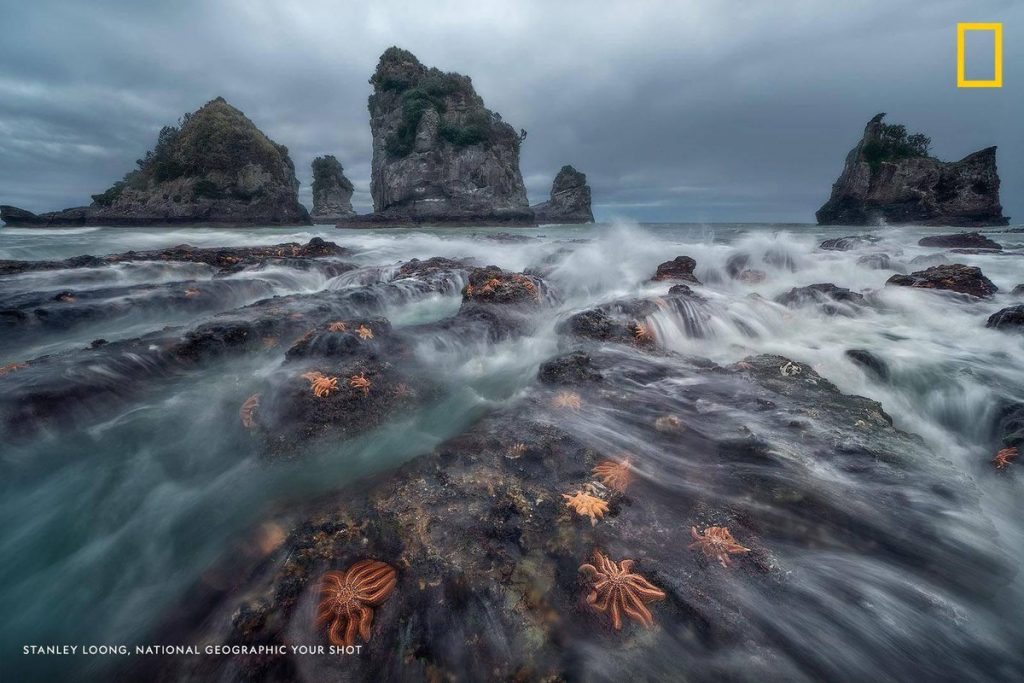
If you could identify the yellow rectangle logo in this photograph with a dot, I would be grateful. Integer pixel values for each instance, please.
(997, 74)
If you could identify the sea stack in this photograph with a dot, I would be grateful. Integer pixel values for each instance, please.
(890, 176)
(216, 167)
(440, 157)
(332, 191)
(569, 202)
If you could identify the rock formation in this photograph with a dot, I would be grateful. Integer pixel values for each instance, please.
(569, 202)
(215, 167)
(332, 191)
(963, 240)
(439, 156)
(890, 176)
(954, 277)
(679, 268)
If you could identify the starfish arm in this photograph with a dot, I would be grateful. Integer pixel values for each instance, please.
(635, 609)
(382, 590)
(627, 566)
(589, 570)
(616, 617)
(365, 622)
(333, 636)
(694, 534)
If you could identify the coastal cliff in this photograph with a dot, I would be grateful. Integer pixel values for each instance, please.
(439, 155)
(569, 202)
(890, 176)
(332, 191)
(216, 167)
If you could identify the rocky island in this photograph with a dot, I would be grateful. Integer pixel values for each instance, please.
(332, 191)
(569, 202)
(439, 155)
(215, 167)
(890, 176)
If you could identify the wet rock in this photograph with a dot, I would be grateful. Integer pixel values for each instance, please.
(225, 259)
(1010, 318)
(1009, 425)
(571, 369)
(494, 285)
(961, 240)
(954, 277)
(833, 300)
(679, 268)
(1018, 290)
(870, 363)
(928, 260)
(875, 261)
(487, 552)
(847, 243)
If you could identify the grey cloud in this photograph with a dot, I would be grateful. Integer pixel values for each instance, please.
(699, 111)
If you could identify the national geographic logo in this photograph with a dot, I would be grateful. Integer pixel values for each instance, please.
(961, 67)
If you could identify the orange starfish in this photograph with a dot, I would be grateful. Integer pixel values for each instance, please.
(11, 367)
(641, 333)
(516, 451)
(348, 599)
(365, 332)
(617, 590)
(717, 543)
(321, 384)
(567, 400)
(586, 505)
(614, 475)
(360, 383)
(337, 327)
(1003, 457)
(248, 411)
(192, 292)
(667, 423)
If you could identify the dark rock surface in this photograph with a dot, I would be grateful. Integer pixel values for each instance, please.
(901, 184)
(870, 363)
(875, 261)
(954, 277)
(332, 191)
(569, 202)
(224, 259)
(216, 168)
(487, 553)
(439, 155)
(679, 268)
(1009, 318)
(1018, 290)
(833, 300)
(961, 240)
(847, 243)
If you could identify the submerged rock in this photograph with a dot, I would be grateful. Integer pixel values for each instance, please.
(847, 243)
(826, 294)
(889, 176)
(1009, 318)
(961, 240)
(569, 202)
(332, 191)
(872, 364)
(216, 168)
(875, 261)
(439, 155)
(1018, 290)
(954, 277)
(679, 268)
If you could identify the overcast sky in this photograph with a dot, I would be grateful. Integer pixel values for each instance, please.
(700, 110)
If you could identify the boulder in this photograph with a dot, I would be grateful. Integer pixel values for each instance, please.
(569, 202)
(216, 167)
(877, 261)
(954, 277)
(824, 293)
(870, 363)
(847, 243)
(332, 191)
(1009, 318)
(1018, 290)
(679, 268)
(960, 240)
(889, 176)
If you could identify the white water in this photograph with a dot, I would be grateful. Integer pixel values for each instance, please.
(115, 523)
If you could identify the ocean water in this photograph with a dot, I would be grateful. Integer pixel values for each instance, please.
(106, 526)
